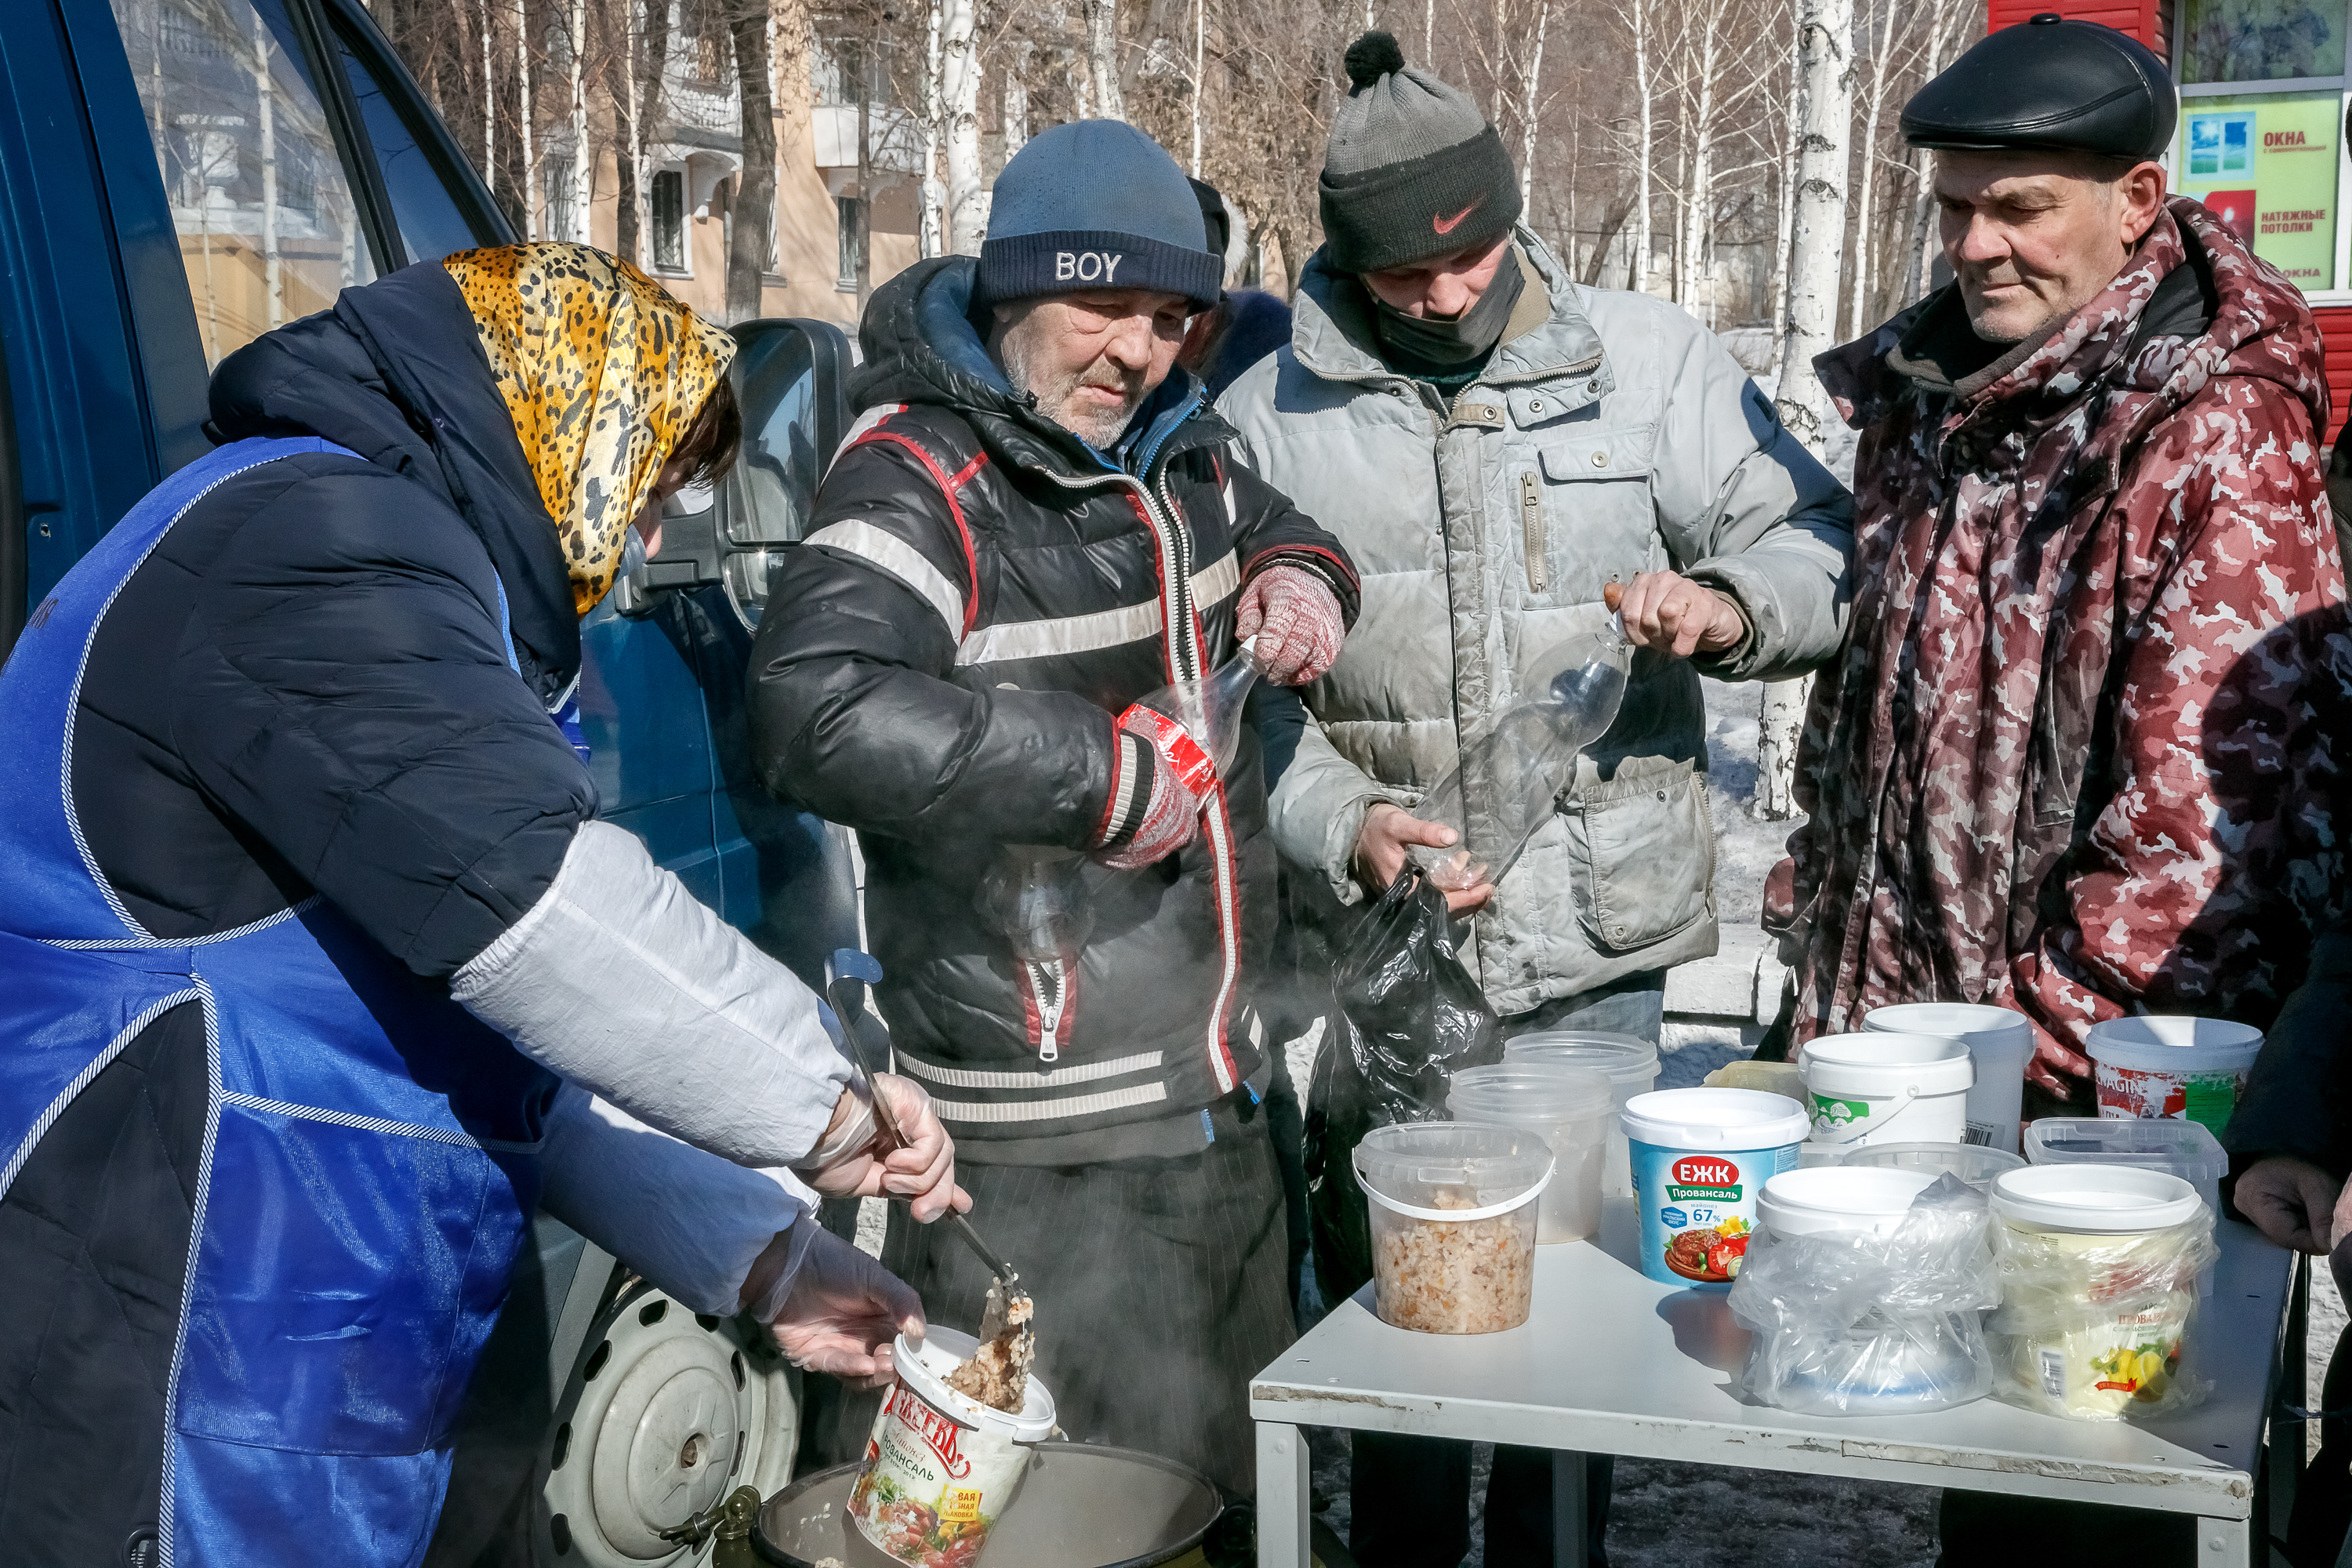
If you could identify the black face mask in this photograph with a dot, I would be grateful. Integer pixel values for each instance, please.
(1441, 340)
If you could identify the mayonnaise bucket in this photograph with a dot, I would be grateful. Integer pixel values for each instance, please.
(941, 1466)
(1879, 1088)
(2152, 1068)
(2000, 1044)
(1700, 1158)
(2098, 1268)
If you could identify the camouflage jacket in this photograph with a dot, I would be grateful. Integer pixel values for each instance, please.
(2074, 756)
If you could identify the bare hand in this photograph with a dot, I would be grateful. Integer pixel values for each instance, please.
(842, 1312)
(2052, 1058)
(2294, 1202)
(877, 1167)
(1667, 611)
(1381, 847)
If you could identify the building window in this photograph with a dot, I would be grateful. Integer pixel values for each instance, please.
(2268, 162)
(669, 220)
(851, 214)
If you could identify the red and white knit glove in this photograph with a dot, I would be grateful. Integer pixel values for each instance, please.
(1296, 620)
(1156, 787)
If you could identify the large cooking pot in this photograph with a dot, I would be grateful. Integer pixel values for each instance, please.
(1081, 1506)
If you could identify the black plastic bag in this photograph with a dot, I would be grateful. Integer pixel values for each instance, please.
(1410, 1015)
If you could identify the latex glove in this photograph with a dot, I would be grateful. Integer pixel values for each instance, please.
(1664, 610)
(1296, 620)
(1181, 776)
(2294, 1202)
(857, 1159)
(842, 1310)
(1381, 847)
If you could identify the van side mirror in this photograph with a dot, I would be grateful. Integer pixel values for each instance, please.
(791, 380)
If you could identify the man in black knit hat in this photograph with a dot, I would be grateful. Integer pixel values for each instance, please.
(1497, 445)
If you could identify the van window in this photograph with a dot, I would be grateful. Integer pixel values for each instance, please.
(430, 224)
(267, 228)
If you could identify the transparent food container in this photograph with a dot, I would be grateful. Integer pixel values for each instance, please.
(1627, 1061)
(1972, 1162)
(1571, 1109)
(2183, 1149)
(1452, 1212)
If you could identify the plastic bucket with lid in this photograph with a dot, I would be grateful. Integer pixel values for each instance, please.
(1630, 1064)
(2000, 1042)
(1700, 1158)
(1879, 1088)
(1838, 1198)
(2183, 1149)
(1571, 1109)
(2098, 1267)
(2191, 1067)
(1452, 1212)
(1971, 1162)
(940, 1467)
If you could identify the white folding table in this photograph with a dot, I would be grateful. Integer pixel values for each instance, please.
(1611, 1362)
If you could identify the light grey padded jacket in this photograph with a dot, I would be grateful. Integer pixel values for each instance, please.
(1617, 437)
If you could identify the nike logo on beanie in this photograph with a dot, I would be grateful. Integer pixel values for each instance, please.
(1448, 224)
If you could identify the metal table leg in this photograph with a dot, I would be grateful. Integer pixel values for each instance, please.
(2231, 1542)
(1568, 1509)
(1282, 1496)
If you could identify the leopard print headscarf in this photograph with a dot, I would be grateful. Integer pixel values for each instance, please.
(604, 373)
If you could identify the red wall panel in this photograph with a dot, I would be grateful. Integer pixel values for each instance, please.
(2140, 18)
(2335, 331)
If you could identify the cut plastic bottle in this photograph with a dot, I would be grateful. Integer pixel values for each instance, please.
(1511, 778)
(1211, 710)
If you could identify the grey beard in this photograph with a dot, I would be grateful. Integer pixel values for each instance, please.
(1100, 431)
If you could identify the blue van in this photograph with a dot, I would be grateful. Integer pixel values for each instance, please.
(178, 176)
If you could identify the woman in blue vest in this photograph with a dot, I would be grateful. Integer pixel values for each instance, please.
(318, 970)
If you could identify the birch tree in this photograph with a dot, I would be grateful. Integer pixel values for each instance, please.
(751, 236)
(1879, 65)
(489, 105)
(1532, 108)
(583, 162)
(526, 182)
(1825, 109)
(1102, 58)
(929, 240)
(967, 202)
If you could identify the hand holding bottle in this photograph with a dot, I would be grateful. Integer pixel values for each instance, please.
(1296, 621)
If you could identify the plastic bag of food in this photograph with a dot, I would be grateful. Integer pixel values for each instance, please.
(1866, 1293)
(1410, 1015)
(2090, 1326)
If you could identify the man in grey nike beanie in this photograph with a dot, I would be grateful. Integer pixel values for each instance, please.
(1412, 170)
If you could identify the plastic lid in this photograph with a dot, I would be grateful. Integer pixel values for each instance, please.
(1483, 1162)
(1971, 1162)
(924, 1366)
(2175, 1045)
(2097, 1200)
(1881, 1065)
(1715, 1119)
(2187, 1149)
(1956, 1020)
(1838, 1197)
(1612, 1054)
(1528, 1093)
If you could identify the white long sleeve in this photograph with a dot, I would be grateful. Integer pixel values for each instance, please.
(624, 984)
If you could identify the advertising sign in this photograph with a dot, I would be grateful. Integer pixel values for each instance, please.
(2265, 166)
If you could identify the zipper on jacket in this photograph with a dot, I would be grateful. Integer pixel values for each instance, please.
(1531, 524)
(1047, 980)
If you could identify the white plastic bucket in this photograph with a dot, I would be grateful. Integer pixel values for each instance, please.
(1627, 1061)
(1878, 1088)
(1701, 1157)
(940, 1467)
(1452, 1209)
(2096, 1298)
(1571, 1109)
(1834, 1198)
(2000, 1042)
(2154, 1068)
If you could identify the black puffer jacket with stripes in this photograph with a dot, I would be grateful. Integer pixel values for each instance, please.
(939, 667)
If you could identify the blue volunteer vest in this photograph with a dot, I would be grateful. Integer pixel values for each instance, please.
(369, 1159)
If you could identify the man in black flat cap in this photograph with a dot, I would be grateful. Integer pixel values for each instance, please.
(2072, 759)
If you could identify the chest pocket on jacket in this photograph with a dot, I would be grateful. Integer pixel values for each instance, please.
(1584, 512)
